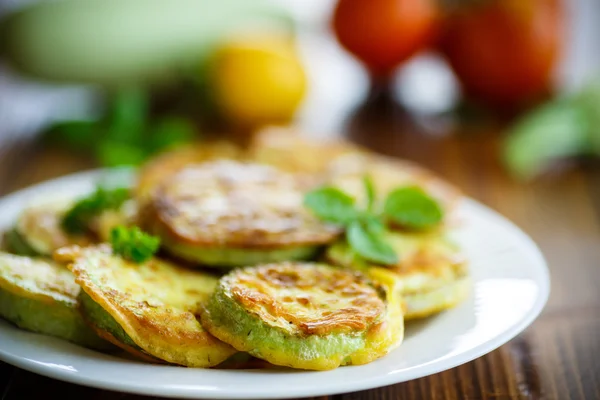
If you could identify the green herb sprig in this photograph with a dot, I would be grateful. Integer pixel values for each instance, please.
(409, 207)
(126, 134)
(133, 244)
(77, 219)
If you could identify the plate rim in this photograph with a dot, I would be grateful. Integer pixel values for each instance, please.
(419, 371)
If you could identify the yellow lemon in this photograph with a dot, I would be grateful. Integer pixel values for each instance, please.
(258, 80)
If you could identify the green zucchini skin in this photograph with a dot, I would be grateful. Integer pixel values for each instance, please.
(41, 296)
(98, 317)
(56, 319)
(17, 244)
(227, 258)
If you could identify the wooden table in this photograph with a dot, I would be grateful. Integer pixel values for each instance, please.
(556, 358)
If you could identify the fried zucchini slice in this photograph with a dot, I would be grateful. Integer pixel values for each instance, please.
(344, 164)
(431, 275)
(41, 296)
(303, 315)
(163, 166)
(290, 151)
(148, 308)
(227, 213)
(424, 304)
(38, 231)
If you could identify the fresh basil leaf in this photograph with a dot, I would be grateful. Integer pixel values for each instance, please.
(369, 191)
(370, 245)
(411, 207)
(331, 204)
(374, 223)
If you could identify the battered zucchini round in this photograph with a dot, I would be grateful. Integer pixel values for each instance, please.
(148, 308)
(41, 296)
(38, 230)
(431, 275)
(303, 315)
(227, 213)
(163, 166)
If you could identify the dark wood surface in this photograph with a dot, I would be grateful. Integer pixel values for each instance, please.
(555, 358)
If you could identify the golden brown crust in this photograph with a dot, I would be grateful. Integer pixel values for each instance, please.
(241, 205)
(312, 299)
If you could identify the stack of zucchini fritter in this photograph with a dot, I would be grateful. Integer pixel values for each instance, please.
(245, 269)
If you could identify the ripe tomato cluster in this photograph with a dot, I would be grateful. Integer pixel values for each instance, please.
(504, 52)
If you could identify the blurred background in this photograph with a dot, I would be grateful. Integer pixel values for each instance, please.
(117, 81)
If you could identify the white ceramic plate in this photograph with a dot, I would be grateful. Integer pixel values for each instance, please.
(510, 288)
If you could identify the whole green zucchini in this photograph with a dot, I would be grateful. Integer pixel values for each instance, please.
(115, 41)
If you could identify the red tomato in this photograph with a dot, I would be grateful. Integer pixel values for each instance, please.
(384, 33)
(504, 52)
